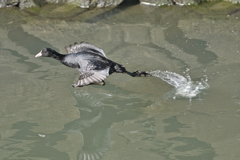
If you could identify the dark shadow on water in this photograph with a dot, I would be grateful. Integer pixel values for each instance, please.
(126, 4)
(22, 59)
(31, 43)
(106, 15)
(179, 147)
(190, 144)
(174, 125)
(174, 35)
(204, 150)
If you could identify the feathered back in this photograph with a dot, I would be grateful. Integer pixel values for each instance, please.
(79, 47)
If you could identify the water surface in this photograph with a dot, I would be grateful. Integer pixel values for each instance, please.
(43, 117)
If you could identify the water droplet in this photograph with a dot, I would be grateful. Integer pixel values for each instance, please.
(185, 87)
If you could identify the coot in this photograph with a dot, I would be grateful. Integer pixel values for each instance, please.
(90, 61)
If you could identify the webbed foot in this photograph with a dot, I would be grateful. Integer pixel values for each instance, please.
(141, 74)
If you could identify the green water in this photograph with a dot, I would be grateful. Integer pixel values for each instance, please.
(43, 118)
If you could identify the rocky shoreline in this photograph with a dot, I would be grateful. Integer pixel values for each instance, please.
(38, 3)
(100, 3)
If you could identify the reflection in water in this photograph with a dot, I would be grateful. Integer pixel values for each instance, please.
(97, 114)
(96, 117)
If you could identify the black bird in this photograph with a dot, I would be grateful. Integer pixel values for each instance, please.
(90, 61)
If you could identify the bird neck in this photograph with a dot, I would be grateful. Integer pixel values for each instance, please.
(57, 56)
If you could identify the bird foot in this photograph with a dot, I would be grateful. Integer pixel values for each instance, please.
(141, 74)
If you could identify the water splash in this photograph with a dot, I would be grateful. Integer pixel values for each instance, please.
(184, 86)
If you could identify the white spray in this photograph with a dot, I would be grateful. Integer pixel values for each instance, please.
(185, 87)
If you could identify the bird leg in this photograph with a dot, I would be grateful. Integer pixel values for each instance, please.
(138, 74)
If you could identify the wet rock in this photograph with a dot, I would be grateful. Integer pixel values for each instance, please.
(95, 3)
(82, 3)
(186, 2)
(179, 2)
(21, 3)
(2, 3)
(8, 3)
(12, 2)
(156, 2)
(56, 1)
(168, 2)
(26, 4)
(100, 3)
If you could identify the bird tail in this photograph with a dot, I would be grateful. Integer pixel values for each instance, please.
(118, 68)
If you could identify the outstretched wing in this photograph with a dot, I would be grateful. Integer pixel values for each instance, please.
(80, 47)
(86, 78)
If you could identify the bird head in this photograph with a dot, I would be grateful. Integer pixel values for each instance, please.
(45, 52)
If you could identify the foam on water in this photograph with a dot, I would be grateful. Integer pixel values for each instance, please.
(185, 87)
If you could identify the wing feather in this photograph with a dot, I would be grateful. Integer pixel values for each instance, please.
(86, 78)
(81, 47)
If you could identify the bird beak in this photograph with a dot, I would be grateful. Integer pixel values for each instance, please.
(39, 54)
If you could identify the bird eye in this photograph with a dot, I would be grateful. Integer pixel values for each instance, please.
(44, 51)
